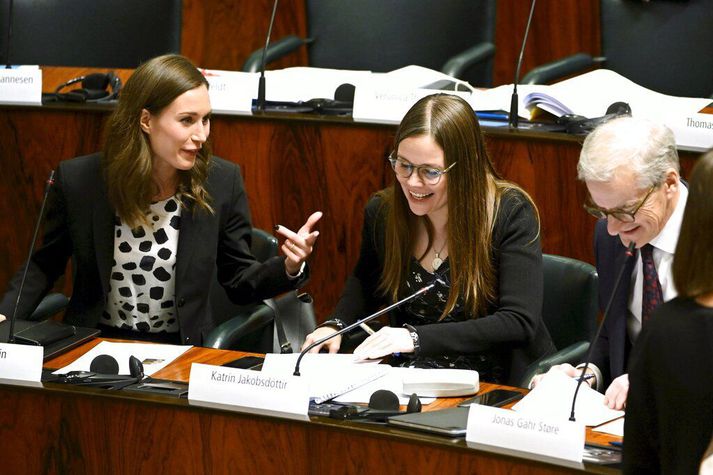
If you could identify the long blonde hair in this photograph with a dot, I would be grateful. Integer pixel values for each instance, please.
(127, 159)
(474, 193)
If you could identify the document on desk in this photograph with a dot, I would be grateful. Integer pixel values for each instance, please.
(154, 357)
(553, 397)
(328, 375)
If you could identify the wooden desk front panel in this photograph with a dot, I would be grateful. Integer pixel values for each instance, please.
(74, 431)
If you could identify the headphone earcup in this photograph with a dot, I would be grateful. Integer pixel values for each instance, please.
(414, 404)
(96, 81)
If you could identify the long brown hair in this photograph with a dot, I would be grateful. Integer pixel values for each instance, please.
(474, 192)
(693, 260)
(127, 159)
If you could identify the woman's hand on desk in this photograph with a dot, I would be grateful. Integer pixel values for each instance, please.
(387, 341)
(331, 345)
(2, 317)
(298, 245)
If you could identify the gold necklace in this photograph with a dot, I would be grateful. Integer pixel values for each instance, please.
(437, 261)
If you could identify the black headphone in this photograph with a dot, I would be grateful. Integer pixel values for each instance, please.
(96, 87)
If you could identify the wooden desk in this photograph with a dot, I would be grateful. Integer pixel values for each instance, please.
(65, 429)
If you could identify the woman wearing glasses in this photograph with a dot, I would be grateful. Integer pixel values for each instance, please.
(448, 219)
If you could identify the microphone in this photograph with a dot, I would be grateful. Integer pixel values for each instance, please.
(8, 64)
(48, 185)
(261, 82)
(358, 323)
(514, 119)
(629, 254)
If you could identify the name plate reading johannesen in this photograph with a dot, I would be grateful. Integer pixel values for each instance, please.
(21, 362)
(21, 86)
(526, 433)
(231, 92)
(247, 389)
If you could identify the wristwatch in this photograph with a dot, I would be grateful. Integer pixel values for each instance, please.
(414, 338)
(335, 323)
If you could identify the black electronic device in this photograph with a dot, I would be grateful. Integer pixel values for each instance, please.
(246, 362)
(494, 398)
(450, 422)
(95, 87)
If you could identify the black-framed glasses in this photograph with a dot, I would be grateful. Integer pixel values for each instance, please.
(429, 175)
(620, 214)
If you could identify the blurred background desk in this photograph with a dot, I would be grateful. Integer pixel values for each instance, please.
(292, 165)
(62, 429)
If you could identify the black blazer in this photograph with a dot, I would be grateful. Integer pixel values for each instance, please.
(512, 325)
(80, 224)
(611, 350)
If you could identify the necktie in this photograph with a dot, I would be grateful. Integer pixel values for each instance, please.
(652, 296)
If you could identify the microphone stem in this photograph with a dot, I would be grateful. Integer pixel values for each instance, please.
(261, 81)
(629, 253)
(11, 330)
(514, 101)
(8, 63)
(360, 322)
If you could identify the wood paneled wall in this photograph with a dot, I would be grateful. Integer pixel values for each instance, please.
(221, 34)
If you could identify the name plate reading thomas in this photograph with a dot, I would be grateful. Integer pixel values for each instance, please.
(511, 430)
(21, 86)
(249, 391)
(21, 362)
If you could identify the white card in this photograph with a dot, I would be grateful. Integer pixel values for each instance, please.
(21, 362)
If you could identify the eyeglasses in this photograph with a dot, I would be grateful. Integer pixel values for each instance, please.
(429, 175)
(623, 215)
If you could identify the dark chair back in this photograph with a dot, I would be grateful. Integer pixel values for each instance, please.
(664, 45)
(570, 305)
(91, 33)
(569, 311)
(383, 35)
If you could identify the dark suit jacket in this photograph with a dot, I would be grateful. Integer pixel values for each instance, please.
(611, 350)
(80, 224)
(513, 325)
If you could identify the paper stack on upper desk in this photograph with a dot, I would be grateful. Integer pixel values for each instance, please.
(590, 94)
(553, 397)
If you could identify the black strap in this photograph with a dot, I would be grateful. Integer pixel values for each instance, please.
(285, 346)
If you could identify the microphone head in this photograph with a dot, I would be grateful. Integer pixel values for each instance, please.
(104, 364)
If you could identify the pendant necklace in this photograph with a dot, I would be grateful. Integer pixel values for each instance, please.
(437, 261)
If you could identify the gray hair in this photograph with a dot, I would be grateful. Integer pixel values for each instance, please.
(645, 147)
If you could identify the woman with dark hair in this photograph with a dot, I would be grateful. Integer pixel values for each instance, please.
(450, 219)
(669, 412)
(149, 222)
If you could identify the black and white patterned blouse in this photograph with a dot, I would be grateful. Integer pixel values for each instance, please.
(142, 294)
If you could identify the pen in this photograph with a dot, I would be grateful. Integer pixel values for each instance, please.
(366, 328)
(586, 377)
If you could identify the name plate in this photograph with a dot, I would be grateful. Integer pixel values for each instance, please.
(511, 430)
(249, 391)
(21, 86)
(231, 92)
(21, 362)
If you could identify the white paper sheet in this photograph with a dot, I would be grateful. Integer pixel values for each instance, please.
(329, 375)
(392, 381)
(553, 397)
(154, 357)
